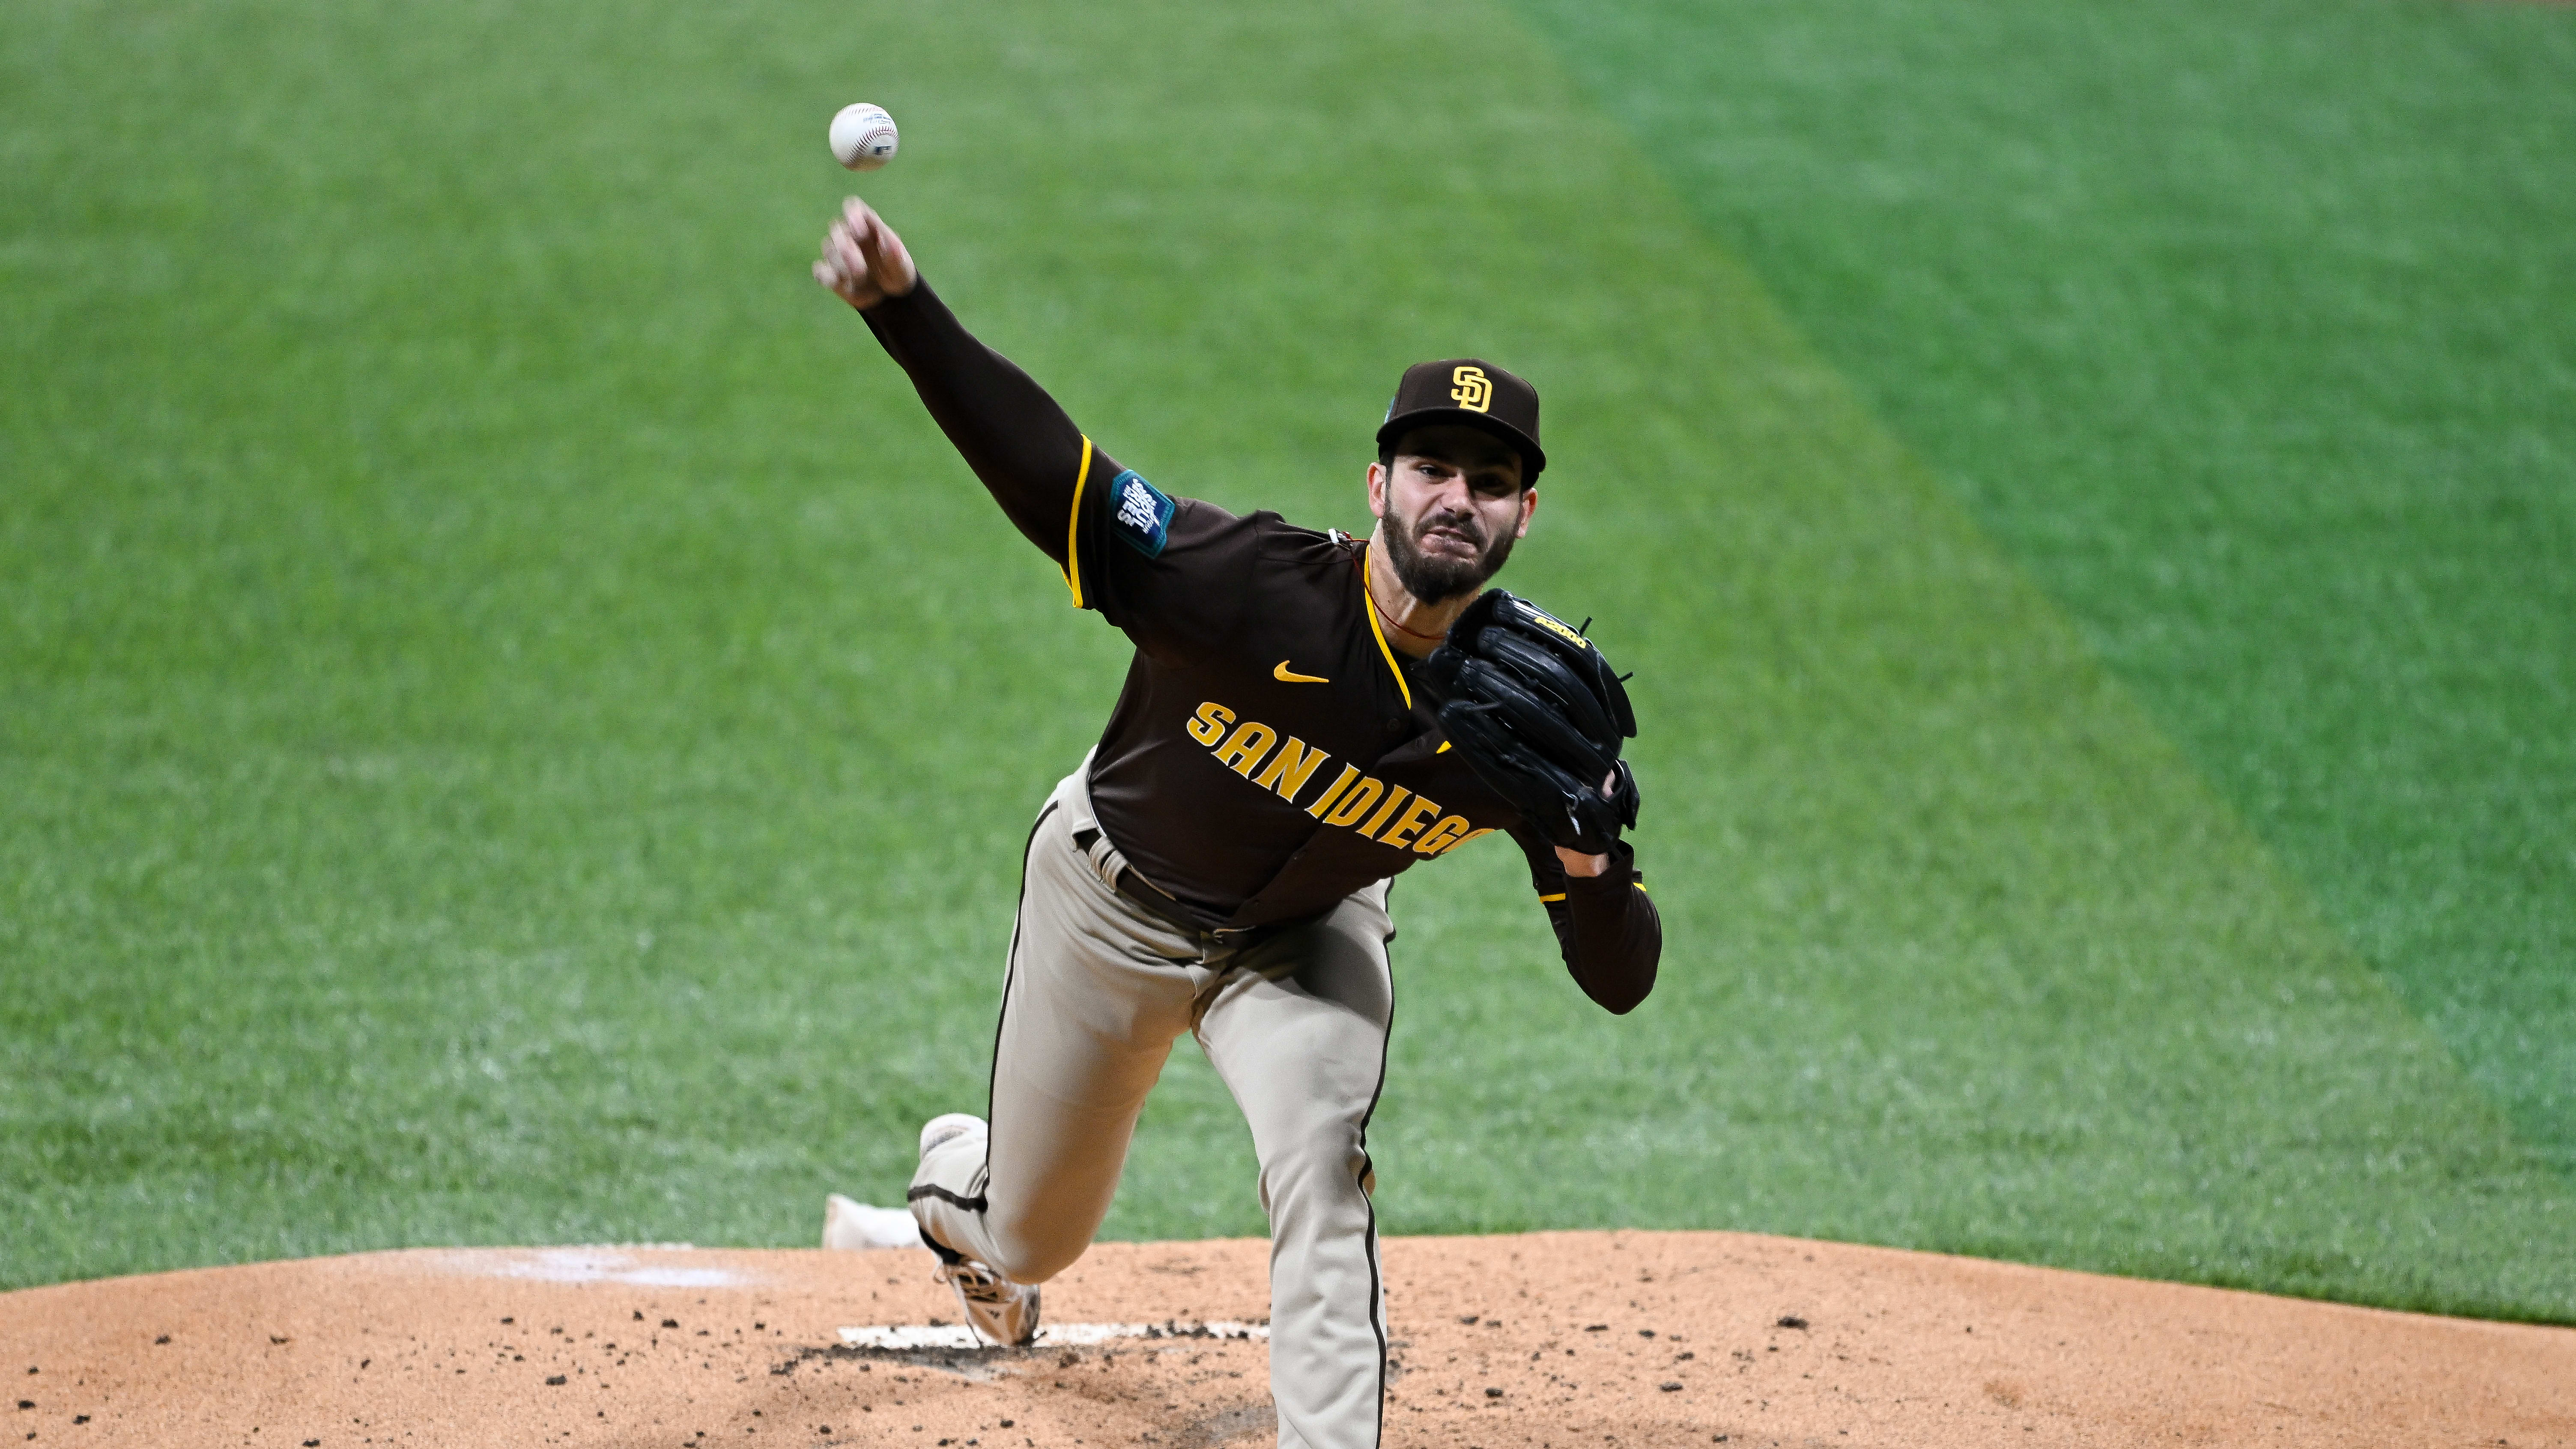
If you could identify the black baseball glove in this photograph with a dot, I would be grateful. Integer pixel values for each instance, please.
(1538, 713)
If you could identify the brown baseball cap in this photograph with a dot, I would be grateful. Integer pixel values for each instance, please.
(1469, 391)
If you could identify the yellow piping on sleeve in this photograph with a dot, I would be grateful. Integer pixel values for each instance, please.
(1550, 900)
(1391, 665)
(1073, 528)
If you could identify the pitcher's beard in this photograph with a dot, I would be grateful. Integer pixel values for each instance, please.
(1438, 580)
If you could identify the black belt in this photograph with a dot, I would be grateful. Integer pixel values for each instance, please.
(1159, 904)
(1163, 906)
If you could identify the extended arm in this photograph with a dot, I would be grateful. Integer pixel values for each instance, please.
(1023, 446)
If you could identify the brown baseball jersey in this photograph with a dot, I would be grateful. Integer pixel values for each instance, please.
(1270, 753)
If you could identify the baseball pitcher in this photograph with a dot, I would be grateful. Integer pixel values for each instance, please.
(1307, 715)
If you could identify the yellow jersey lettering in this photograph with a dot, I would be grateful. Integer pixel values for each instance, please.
(1244, 749)
(1333, 792)
(1209, 726)
(1416, 815)
(1463, 839)
(1383, 811)
(1438, 837)
(1356, 803)
(1289, 769)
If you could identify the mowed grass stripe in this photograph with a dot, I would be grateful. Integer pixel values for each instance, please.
(2249, 333)
(554, 772)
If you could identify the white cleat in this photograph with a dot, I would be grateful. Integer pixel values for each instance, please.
(855, 1225)
(946, 1127)
(1000, 1311)
(1003, 1312)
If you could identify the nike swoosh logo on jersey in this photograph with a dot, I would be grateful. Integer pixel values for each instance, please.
(1286, 675)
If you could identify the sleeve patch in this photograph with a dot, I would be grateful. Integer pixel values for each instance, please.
(1143, 516)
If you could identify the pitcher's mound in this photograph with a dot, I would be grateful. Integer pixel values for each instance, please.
(1549, 1341)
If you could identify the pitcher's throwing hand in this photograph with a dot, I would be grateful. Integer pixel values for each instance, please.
(863, 261)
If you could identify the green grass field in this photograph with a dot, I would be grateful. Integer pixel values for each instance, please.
(517, 730)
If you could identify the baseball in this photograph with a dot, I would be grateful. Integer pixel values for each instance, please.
(863, 137)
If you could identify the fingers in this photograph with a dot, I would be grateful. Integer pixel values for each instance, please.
(863, 261)
(843, 269)
(888, 263)
(832, 268)
(846, 252)
(859, 228)
(894, 271)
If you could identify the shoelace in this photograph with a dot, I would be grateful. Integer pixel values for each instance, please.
(978, 1286)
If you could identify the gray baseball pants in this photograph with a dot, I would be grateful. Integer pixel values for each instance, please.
(1296, 1026)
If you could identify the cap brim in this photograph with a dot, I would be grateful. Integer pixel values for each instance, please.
(1532, 455)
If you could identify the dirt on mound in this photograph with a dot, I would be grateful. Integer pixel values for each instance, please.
(1546, 1341)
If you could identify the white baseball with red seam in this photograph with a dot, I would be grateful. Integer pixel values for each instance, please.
(863, 137)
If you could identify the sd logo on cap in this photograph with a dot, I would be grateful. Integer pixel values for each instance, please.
(1471, 391)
